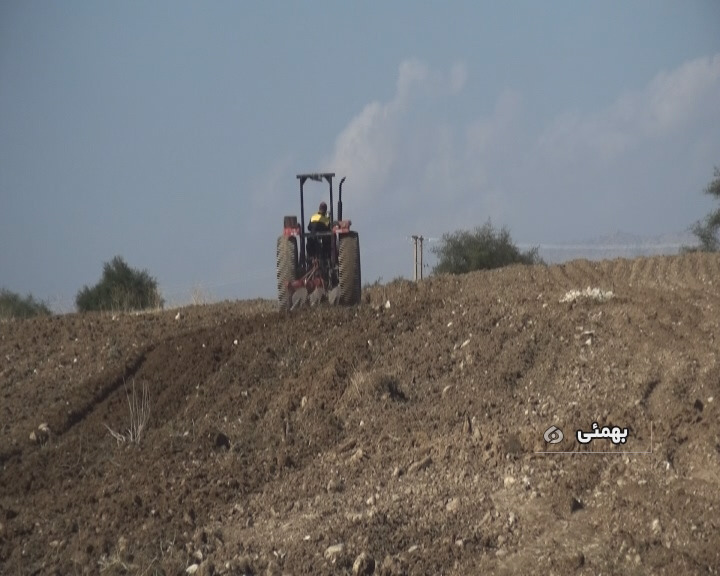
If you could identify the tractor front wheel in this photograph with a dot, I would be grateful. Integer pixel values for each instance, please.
(287, 263)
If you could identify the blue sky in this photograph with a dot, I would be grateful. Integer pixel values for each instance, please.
(170, 132)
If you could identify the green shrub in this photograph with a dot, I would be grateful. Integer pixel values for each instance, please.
(13, 305)
(707, 230)
(483, 248)
(120, 288)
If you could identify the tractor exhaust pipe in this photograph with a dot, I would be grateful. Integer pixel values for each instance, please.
(340, 198)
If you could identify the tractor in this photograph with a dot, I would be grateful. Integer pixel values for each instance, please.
(318, 265)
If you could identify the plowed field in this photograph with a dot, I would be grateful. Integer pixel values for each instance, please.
(400, 438)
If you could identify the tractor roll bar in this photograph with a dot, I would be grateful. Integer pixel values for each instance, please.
(340, 198)
(318, 177)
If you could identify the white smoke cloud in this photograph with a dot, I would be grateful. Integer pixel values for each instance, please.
(668, 104)
(434, 168)
(378, 139)
(677, 97)
(458, 77)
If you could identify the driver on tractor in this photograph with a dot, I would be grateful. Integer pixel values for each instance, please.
(320, 222)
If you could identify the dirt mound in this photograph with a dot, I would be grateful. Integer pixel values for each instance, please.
(402, 436)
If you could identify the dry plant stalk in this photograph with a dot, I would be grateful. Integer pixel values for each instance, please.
(139, 406)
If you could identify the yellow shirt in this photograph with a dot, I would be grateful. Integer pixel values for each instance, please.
(323, 219)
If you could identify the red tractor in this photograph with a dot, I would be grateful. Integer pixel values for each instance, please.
(315, 265)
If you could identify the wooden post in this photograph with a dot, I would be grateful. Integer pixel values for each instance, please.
(415, 258)
(421, 257)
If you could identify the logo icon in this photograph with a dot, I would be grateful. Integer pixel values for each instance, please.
(553, 435)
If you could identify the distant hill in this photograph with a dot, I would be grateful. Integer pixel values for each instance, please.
(619, 244)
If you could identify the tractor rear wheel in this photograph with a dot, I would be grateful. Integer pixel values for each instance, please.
(287, 262)
(349, 269)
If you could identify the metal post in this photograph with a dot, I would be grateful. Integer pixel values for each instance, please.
(332, 237)
(302, 222)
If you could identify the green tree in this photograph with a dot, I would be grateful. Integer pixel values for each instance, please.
(120, 288)
(483, 248)
(706, 230)
(13, 305)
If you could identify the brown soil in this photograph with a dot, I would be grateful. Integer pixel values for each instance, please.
(400, 440)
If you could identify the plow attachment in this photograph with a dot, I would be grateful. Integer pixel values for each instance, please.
(311, 289)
